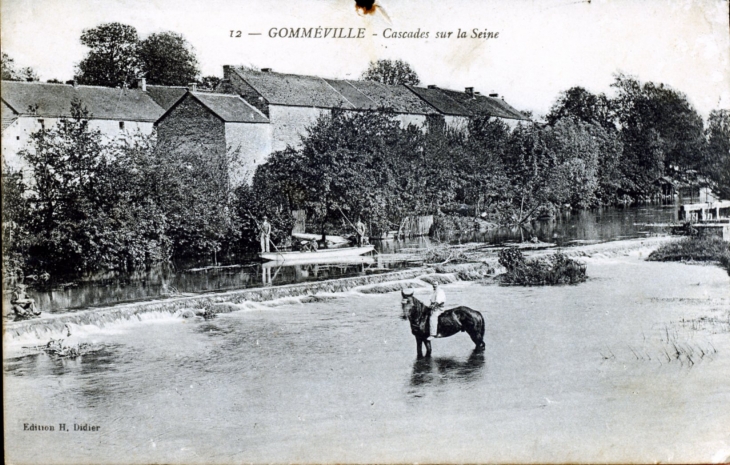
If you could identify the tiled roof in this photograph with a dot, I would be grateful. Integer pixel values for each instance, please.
(54, 101)
(397, 98)
(230, 108)
(354, 96)
(480, 104)
(441, 101)
(312, 91)
(166, 96)
(294, 89)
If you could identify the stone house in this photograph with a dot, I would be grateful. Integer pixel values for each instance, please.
(29, 106)
(223, 127)
(457, 107)
(292, 102)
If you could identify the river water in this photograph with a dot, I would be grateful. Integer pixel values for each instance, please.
(570, 373)
(570, 228)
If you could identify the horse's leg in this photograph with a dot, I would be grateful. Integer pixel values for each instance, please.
(428, 347)
(476, 332)
(418, 347)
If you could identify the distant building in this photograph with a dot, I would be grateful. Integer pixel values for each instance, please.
(251, 113)
(29, 106)
(224, 127)
(458, 107)
(292, 102)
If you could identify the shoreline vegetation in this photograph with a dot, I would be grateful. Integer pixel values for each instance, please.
(477, 265)
(484, 267)
(693, 249)
(85, 204)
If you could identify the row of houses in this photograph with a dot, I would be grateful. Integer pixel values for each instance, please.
(250, 112)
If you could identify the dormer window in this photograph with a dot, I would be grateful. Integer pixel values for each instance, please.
(121, 125)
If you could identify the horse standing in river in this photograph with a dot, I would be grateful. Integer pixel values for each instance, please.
(450, 322)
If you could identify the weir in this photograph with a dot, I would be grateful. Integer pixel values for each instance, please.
(54, 325)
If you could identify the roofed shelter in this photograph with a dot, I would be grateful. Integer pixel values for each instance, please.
(222, 127)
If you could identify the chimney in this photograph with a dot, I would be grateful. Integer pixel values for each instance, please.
(142, 84)
(226, 72)
(193, 87)
(477, 93)
(469, 91)
(495, 95)
(265, 70)
(432, 86)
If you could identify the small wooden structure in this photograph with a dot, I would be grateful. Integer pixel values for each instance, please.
(705, 211)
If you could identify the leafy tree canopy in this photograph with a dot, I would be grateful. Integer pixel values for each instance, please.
(113, 58)
(393, 72)
(168, 59)
(10, 73)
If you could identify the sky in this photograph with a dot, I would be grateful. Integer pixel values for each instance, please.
(544, 46)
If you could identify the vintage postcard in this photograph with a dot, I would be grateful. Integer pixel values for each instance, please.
(357, 231)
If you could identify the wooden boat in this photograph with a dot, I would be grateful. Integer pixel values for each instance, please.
(322, 261)
(332, 255)
(318, 237)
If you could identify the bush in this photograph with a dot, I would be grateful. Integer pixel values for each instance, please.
(557, 268)
(695, 248)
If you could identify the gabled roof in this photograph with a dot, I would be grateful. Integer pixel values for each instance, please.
(294, 89)
(312, 91)
(397, 98)
(230, 108)
(54, 101)
(166, 96)
(441, 101)
(480, 104)
(354, 96)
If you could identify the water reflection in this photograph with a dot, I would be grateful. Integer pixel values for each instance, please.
(568, 228)
(442, 371)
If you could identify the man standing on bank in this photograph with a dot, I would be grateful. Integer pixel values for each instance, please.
(265, 235)
(360, 230)
(438, 299)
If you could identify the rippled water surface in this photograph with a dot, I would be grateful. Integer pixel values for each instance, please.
(570, 228)
(569, 374)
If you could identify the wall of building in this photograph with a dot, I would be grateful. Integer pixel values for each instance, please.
(288, 124)
(16, 136)
(416, 120)
(252, 141)
(192, 127)
(460, 123)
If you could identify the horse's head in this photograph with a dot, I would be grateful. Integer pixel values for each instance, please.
(407, 302)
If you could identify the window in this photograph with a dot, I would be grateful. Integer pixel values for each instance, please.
(121, 125)
(42, 122)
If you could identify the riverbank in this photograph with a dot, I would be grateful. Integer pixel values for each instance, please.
(483, 264)
(629, 366)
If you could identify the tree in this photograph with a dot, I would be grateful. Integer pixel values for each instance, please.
(113, 58)
(392, 72)
(168, 59)
(579, 103)
(659, 128)
(210, 82)
(718, 150)
(10, 73)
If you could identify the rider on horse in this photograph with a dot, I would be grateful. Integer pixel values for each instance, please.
(438, 300)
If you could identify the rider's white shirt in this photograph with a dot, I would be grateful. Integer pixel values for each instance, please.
(438, 297)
